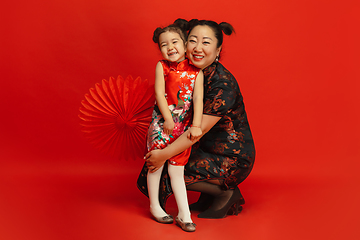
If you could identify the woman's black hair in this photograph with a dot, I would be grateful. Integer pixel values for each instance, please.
(218, 29)
(180, 26)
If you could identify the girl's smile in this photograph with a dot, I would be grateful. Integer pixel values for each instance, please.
(172, 46)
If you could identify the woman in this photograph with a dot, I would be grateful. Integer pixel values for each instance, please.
(225, 154)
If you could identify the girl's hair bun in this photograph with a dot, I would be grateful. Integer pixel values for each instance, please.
(182, 24)
(156, 35)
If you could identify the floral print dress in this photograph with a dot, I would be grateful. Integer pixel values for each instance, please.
(179, 85)
(227, 151)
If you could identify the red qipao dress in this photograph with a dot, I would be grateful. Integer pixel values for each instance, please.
(179, 85)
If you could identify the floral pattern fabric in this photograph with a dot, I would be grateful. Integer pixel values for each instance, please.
(227, 151)
(179, 84)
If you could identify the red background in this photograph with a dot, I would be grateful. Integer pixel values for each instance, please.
(297, 63)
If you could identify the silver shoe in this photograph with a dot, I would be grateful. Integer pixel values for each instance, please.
(186, 226)
(166, 219)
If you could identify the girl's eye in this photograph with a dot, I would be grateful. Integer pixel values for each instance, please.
(192, 41)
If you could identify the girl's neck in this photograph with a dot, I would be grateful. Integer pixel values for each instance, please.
(180, 60)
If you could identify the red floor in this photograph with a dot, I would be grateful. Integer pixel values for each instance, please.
(102, 202)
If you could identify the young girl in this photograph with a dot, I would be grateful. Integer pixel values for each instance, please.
(177, 84)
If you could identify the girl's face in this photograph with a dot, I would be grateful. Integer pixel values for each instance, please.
(202, 46)
(172, 47)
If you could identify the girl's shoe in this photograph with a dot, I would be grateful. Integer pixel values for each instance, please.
(235, 201)
(187, 227)
(166, 220)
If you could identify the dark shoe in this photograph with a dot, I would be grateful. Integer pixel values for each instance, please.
(236, 209)
(187, 227)
(235, 200)
(166, 220)
(203, 203)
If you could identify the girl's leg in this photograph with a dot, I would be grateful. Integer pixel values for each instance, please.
(176, 174)
(153, 181)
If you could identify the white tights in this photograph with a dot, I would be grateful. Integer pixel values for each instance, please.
(176, 174)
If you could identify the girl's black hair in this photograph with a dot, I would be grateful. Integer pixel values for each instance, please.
(218, 29)
(180, 26)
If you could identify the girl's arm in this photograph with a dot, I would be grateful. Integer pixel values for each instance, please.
(198, 95)
(156, 158)
(161, 100)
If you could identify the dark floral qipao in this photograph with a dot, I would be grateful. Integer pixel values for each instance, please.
(227, 151)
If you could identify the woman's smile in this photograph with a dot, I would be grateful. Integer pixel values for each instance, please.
(197, 57)
(202, 46)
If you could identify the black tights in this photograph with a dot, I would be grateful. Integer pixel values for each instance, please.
(221, 197)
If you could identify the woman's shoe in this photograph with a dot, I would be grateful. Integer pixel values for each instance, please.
(187, 227)
(166, 219)
(236, 209)
(203, 203)
(235, 200)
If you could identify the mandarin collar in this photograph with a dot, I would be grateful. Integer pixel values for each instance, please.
(210, 69)
(179, 66)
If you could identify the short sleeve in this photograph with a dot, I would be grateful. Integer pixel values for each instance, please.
(219, 97)
(166, 67)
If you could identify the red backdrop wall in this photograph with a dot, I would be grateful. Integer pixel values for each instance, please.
(296, 62)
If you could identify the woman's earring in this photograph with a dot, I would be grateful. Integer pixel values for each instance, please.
(217, 58)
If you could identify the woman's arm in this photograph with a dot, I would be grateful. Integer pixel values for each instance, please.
(198, 97)
(161, 100)
(157, 158)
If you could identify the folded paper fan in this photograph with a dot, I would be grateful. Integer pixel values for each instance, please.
(115, 116)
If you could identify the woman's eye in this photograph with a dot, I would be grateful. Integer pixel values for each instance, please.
(206, 43)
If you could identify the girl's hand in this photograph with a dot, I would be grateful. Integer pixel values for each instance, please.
(194, 134)
(155, 159)
(169, 126)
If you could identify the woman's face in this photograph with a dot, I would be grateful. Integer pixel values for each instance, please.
(202, 46)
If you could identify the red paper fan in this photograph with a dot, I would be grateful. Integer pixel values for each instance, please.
(116, 114)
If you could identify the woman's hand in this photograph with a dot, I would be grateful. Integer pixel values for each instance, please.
(155, 159)
(169, 126)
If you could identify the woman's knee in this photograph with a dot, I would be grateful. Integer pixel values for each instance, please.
(216, 181)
